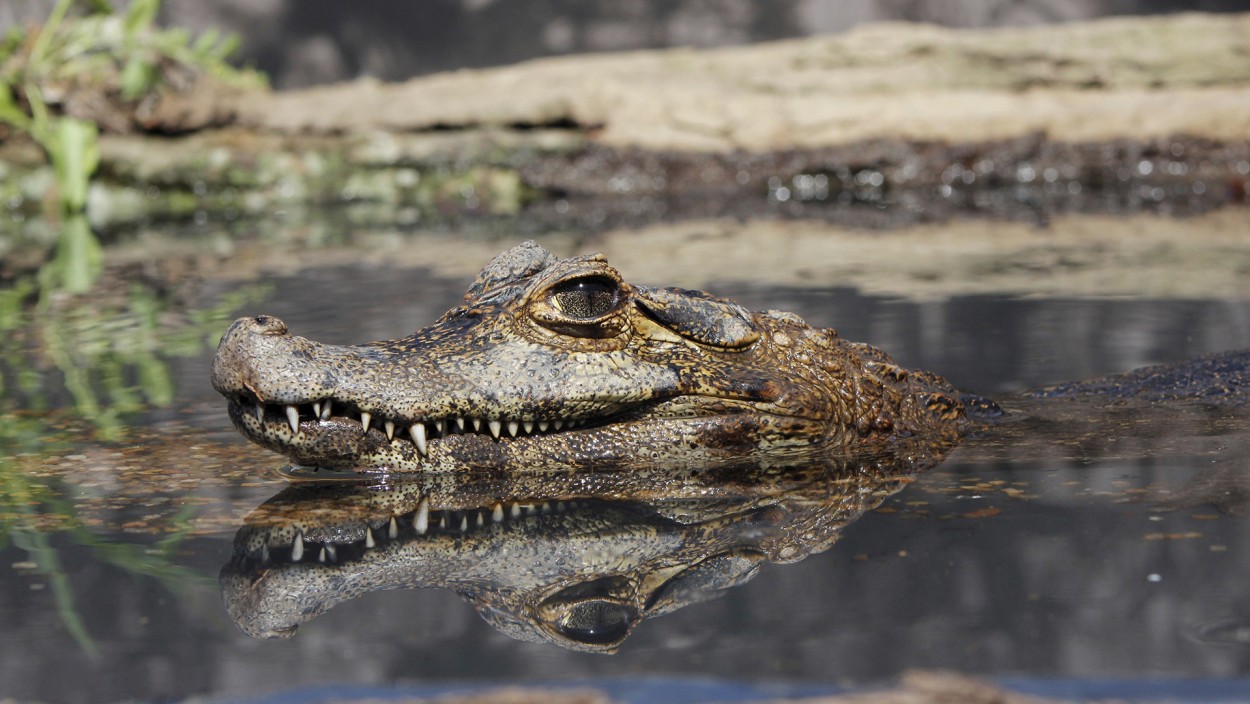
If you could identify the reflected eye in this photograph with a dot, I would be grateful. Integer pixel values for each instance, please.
(598, 622)
(586, 298)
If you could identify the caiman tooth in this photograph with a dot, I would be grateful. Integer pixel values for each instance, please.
(543, 425)
(557, 424)
(297, 548)
(441, 426)
(545, 507)
(477, 425)
(331, 552)
(392, 531)
(516, 510)
(369, 537)
(513, 427)
(421, 521)
(316, 409)
(292, 417)
(264, 553)
(417, 431)
(325, 410)
(495, 427)
(460, 424)
(496, 513)
(366, 419)
(390, 429)
(481, 518)
(442, 520)
(464, 523)
(528, 425)
(321, 557)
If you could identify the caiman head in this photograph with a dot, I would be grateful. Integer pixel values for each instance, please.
(562, 363)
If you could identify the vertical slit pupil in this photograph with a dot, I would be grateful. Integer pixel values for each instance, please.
(585, 298)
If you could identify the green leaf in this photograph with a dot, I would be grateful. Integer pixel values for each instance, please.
(75, 155)
(9, 110)
(138, 76)
(140, 16)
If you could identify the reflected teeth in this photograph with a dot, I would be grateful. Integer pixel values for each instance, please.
(366, 419)
(292, 417)
(421, 522)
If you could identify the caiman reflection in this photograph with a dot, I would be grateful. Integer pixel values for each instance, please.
(577, 560)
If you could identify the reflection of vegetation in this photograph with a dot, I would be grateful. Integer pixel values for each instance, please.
(31, 510)
(109, 355)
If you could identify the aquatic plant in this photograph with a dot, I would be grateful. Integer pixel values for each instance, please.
(121, 57)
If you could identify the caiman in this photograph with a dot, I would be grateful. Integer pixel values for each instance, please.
(554, 363)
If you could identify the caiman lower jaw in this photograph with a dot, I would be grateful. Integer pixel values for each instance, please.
(315, 434)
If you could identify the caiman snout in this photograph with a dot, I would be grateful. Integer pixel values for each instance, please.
(248, 352)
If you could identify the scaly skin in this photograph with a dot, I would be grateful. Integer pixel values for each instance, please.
(561, 364)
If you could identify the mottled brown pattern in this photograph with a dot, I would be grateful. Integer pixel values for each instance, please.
(562, 364)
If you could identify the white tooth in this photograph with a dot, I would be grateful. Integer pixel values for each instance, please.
(557, 424)
(513, 427)
(329, 548)
(441, 426)
(496, 514)
(442, 520)
(369, 538)
(264, 553)
(321, 556)
(481, 518)
(460, 424)
(260, 411)
(316, 409)
(390, 429)
(392, 531)
(477, 425)
(528, 425)
(542, 426)
(544, 507)
(422, 520)
(297, 548)
(417, 431)
(495, 427)
(365, 420)
(464, 523)
(516, 510)
(292, 417)
(325, 410)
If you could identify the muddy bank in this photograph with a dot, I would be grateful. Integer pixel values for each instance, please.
(1108, 116)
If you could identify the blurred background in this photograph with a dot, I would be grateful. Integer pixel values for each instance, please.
(299, 43)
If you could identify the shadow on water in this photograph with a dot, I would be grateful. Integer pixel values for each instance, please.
(1087, 536)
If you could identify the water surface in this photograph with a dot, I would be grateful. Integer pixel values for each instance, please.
(1117, 553)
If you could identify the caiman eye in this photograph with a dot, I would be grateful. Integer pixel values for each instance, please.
(586, 298)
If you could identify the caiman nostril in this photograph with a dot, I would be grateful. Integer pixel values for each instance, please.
(269, 325)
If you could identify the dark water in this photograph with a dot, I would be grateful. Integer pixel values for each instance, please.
(1122, 557)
